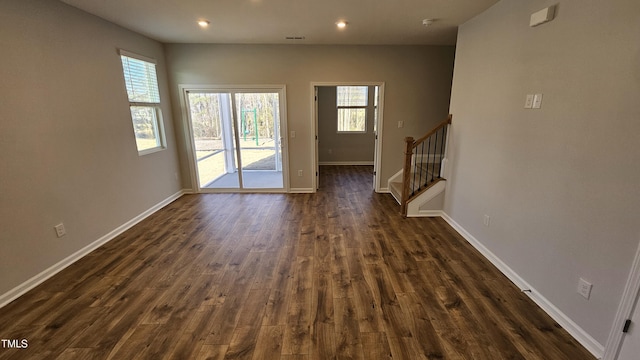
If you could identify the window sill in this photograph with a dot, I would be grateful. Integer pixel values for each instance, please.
(151, 151)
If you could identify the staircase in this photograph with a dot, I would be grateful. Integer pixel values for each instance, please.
(419, 187)
(421, 179)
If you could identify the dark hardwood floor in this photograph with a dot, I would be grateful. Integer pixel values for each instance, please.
(334, 275)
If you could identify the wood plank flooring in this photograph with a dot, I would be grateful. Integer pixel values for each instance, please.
(334, 275)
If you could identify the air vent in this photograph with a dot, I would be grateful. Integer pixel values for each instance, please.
(294, 37)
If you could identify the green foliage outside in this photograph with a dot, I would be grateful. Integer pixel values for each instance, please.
(206, 114)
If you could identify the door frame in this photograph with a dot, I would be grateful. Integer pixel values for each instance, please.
(628, 305)
(378, 126)
(184, 89)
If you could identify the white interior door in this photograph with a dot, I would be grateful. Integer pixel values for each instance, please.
(376, 114)
(315, 112)
(631, 341)
(624, 338)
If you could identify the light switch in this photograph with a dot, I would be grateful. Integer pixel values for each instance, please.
(293, 134)
(542, 16)
(528, 103)
(537, 101)
(400, 124)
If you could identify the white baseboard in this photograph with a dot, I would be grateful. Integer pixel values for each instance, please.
(61, 265)
(428, 213)
(576, 331)
(396, 177)
(569, 325)
(413, 207)
(301, 190)
(357, 163)
(384, 190)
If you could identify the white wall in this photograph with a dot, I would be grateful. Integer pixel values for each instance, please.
(68, 152)
(417, 87)
(561, 184)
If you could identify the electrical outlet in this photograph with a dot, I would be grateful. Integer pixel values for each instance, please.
(487, 220)
(299, 172)
(60, 230)
(584, 288)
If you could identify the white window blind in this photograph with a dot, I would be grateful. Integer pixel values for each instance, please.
(352, 96)
(352, 104)
(141, 82)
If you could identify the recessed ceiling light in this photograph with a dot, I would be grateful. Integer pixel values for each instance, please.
(341, 24)
(203, 23)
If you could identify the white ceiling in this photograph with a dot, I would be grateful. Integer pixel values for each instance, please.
(270, 21)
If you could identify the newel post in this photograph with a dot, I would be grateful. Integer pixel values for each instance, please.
(406, 174)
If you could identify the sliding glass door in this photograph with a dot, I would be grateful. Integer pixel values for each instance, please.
(236, 138)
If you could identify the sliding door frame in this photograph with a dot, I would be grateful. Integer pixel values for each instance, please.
(184, 90)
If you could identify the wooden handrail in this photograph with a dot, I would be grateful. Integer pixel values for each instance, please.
(433, 131)
(410, 145)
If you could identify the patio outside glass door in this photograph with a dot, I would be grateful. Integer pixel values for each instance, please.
(236, 139)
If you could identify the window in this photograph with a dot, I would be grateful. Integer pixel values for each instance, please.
(352, 109)
(144, 102)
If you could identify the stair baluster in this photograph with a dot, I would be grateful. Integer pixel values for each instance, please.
(416, 161)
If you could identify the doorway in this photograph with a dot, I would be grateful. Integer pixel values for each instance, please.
(348, 125)
(235, 138)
